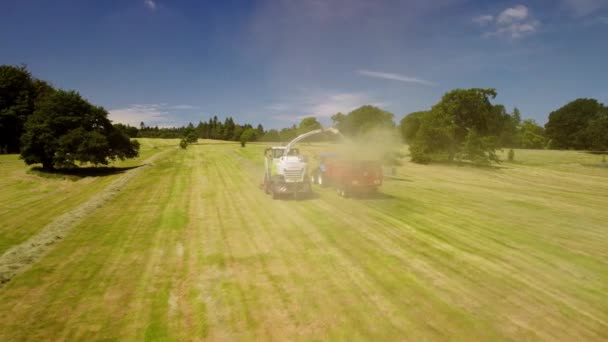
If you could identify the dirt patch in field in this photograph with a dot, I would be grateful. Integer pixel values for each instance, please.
(19, 257)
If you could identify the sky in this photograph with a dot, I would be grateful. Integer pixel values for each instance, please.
(170, 62)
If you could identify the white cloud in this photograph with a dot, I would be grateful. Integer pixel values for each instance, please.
(150, 4)
(513, 14)
(394, 77)
(513, 22)
(150, 114)
(483, 19)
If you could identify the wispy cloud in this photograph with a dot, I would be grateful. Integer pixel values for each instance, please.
(150, 4)
(483, 19)
(582, 8)
(154, 114)
(394, 77)
(184, 107)
(321, 105)
(513, 22)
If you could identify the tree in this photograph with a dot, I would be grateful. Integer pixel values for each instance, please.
(183, 143)
(464, 124)
(128, 130)
(260, 130)
(190, 134)
(308, 124)
(272, 136)
(248, 135)
(531, 135)
(510, 126)
(435, 138)
(362, 120)
(19, 93)
(65, 129)
(409, 126)
(288, 134)
(477, 149)
(597, 132)
(567, 126)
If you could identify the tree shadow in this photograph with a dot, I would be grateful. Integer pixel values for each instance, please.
(601, 153)
(471, 165)
(77, 173)
(397, 179)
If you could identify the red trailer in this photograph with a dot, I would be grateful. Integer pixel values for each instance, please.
(347, 176)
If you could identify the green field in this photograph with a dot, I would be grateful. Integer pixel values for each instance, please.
(192, 249)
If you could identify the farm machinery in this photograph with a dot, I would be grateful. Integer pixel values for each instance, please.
(286, 171)
(348, 176)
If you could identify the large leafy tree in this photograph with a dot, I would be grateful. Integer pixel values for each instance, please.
(567, 126)
(597, 132)
(65, 129)
(363, 120)
(409, 126)
(18, 94)
(308, 124)
(464, 125)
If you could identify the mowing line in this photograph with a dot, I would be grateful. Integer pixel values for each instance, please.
(17, 258)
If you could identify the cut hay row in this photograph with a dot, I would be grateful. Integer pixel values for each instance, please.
(17, 258)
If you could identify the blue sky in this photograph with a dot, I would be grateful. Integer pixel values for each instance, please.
(168, 62)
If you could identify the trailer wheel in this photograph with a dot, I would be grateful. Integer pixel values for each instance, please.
(340, 191)
(320, 180)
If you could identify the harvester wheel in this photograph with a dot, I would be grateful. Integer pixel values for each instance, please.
(320, 180)
(266, 186)
(272, 192)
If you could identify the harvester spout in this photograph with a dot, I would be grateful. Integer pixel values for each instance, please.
(306, 135)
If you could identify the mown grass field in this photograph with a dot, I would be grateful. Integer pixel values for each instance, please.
(194, 250)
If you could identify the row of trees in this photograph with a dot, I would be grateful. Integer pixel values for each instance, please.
(212, 129)
(465, 125)
(54, 127)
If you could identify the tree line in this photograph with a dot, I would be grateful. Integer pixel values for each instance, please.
(58, 128)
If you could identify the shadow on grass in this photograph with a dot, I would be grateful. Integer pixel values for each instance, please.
(77, 173)
(472, 165)
(397, 179)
